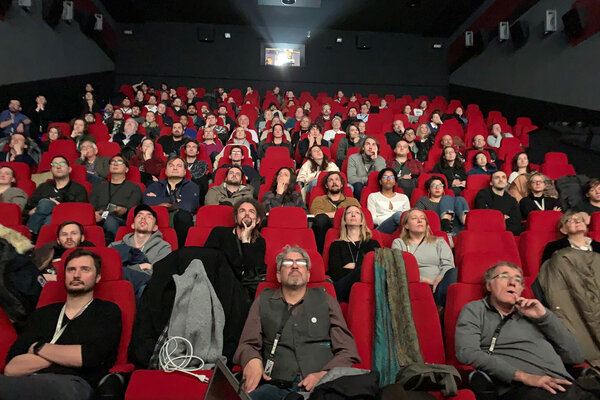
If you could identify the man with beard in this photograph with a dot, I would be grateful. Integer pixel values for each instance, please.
(479, 145)
(290, 124)
(227, 121)
(396, 134)
(351, 118)
(220, 131)
(116, 123)
(178, 195)
(199, 169)
(324, 207)
(148, 240)
(231, 190)
(193, 116)
(12, 120)
(69, 234)
(287, 356)
(495, 197)
(243, 246)
(172, 144)
(67, 347)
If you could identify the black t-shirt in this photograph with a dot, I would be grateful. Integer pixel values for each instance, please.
(342, 253)
(170, 146)
(97, 330)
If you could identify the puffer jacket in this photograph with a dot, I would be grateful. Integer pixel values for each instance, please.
(570, 280)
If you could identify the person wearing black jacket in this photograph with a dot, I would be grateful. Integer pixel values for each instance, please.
(572, 224)
(451, 166)
(496, 198)
(243, 246)
(59, 190)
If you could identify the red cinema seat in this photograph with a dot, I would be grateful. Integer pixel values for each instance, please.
(81, 212)
(8, 335)
(595, 222)
(108, 149)
(287, 218)
(162, 222)
(207, 218)
(92, 233)
(100, 132)
(555, 171)
(477, 182)
(555, 157)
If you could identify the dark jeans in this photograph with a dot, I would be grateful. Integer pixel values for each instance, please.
(522, 392)
(45, 386)
(181, 221)
(138, 279)
(266, 391)
(111, 225)
(358, 188)
(41, 216)
(320, 226)
(344, 285)
(439, 296)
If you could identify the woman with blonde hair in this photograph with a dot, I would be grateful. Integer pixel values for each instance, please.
(347, 252)
(537, 199)
(434, 256)
(425, 137)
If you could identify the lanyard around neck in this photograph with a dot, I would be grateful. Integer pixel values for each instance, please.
(59, 324)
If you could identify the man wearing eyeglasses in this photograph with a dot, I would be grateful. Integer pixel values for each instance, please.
(47, 195)
(293, 335)
(112, 200)
(520, 344)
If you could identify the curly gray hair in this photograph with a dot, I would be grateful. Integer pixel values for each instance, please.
(292, 249)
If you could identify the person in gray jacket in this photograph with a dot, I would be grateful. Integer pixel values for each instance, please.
(362, 164)
(149, 240)
(231, 190)
(520, 344)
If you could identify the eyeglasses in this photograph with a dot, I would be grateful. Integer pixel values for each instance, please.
(236, 152)
(537, 182)
(574, 220)
(388, 177)
(436, 186)
(288, 263)
(506, 277)
(58, 164)
(117, 162)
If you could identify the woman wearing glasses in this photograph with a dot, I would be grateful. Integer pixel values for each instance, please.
(387, 206)
(347, 252)
(574, 228)
(452, 210)
(536, 200)
(434, 256)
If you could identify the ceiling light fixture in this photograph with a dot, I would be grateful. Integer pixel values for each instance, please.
(308, 34)
(437, 46)
(227, 35)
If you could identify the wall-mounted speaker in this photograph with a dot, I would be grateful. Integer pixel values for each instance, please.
(363, 42)
(67, 14)
(52, 12)
(503, 31)
(551, 22)
(519, 33)
(575, 21)
(99, 21)
(206, 34)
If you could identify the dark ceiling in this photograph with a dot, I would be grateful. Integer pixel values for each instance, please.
(430, 18)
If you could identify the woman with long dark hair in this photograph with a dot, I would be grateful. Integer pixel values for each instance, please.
(452, 167)
(283, 191)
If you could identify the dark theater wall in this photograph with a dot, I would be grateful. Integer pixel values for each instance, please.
(548, 70)
(396, 63)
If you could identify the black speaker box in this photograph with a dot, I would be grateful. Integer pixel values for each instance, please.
(4, 7)
(206, 34)
(86, 22)
(363, 42)
(52, 11)
(575, 21)
(519, 33)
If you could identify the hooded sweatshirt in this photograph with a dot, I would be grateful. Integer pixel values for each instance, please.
(155, 249)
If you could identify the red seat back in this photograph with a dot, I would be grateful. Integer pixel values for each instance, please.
(80, 212)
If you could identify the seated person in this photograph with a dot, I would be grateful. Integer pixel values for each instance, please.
(54, 133)
(496, 198)
(129, 139)
(315, 137)
(347, 252)
(351, 118)
(149, 241)
(324, 207)
(69, 234)
(536, 200)
(148, 162)
(360, 165)
(79, 132)
(574, 228)
(239, 138)
(178, 195)
(434, 256)
(212, 148)
(315, 163)
(396, 134)
(172, 144)
(231, 190)
(418, 150)
(150, 125)
(407, 170)
(336, 128)
(47, 195)
(527, 358)
(278, 141)
(591, 202)
(219, 131)
(496, 135)
(452, 167)
(568, 284)
(243, 246)
(386, 206)
(188, 127)
(96, 167)
(244, 122)
(435, 121)
(449, 209)
(9, 193)
(236, 157)
(283, 191)
(481, 165)
(352, 139)
(479, 145)
(520, 166)
(425, 138)
(161, 111)
(112, 200)
(324, 117)
(18, 150)
(290, 371)
(12, 120)
(68, 347)
(199, 169)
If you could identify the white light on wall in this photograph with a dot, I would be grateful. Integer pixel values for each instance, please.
(437, 46)
(503, 31)
(227, 35)
(550, 25)
(308, 34)
(99, 21)
(469, 39)
(338, 40)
